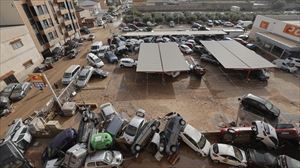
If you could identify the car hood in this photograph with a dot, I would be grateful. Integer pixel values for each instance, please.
(80, 83)
(206, 147)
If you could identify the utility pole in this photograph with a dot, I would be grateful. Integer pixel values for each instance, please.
(50, 86)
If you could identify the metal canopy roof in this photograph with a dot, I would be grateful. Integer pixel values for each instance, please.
(169, 33)
(233, 55)
(160, 57)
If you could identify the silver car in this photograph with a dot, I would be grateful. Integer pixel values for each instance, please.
(20, 91)
(84, 76)
(104, 159)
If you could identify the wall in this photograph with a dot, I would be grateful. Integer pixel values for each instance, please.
(9, 14)
(275, 26)
(13, 59)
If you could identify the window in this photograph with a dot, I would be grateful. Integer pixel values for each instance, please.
(70, 5)
(45, 9)
(40, 38)
(55, 34)
(69, 27)
(45, 24)
(62, 5)
(27, 11)
(28, 64)
(40, 10)
(16, 44)
(66, 17)
(32, 11)
(50, 35)
(50, 22)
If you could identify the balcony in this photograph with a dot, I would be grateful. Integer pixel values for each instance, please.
(48, 29)
(67, 22)
(63, 11)
(70, 33)
(58, 1)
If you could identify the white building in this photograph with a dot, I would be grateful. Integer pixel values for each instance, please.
(93, 7)
(279, 35)
(19, 55)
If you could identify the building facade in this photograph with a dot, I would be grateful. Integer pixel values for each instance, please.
(51, 23)
(19, 55)
(279, 35)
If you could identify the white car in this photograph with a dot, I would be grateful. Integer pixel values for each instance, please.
(295, 61)
(104, 159)
(102, 50)
(127, 62)
(185, 49)
(94, 61)
(228, 154)
(266, 134)
(228, 24)
(284, 65)
(195, 140)
(84, 76)
(134, 126)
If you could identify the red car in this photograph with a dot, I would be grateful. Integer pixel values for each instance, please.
(287, 132)
(238, 135)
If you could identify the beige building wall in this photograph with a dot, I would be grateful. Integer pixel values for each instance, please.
(8, 14)
(20, 61)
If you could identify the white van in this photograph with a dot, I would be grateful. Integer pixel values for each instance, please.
(19, 134)
(95, 61)
(70, 74)
(96, 47)
(232, 33)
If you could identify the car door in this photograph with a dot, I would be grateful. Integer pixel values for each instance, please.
(190, 142)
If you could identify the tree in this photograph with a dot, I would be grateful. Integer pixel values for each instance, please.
(147, 17)
(278, 4)
(169, 17)
(158, 17)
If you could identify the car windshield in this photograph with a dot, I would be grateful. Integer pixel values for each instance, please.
(97, 60)
(238, 153)
(82, 77)
(131, 130)
(266, 128)
(108, 157)
(202, 142)
(67, 75)
(290, 64)
(95, 47)
(8, 89)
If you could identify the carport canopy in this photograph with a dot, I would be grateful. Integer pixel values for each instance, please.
(233, 55)
(161, 57)
(171, 33)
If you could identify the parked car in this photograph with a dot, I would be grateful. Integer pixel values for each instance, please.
(127, 29)
(169, 137)
(72, 53)
(91, 37)
(134, 126)
(5, 106)
(104, 159)
(41, 68)
(94, 61)
(145, 136)
(251, 46)
(100, 73)
(70, 74)
(203, 28)
(60, 144)
(84, 76)
(260, 74)
(241, 41)
(185, 49)
(197, 70)
(228, 24)
(100, 141)
(107, 111)
(195, 140)
(115, 125)
(228, 154)
(172, 24)
(127, 62)
(111, 57)
(287, 162)
(48, 60)
(287, 132)
(96, 47)
(85, 30)
(20, 91)
(238, 27)
(259, 106)
(293, 60)
(243, 36)
(284, 65)
(257, 134)
(261, 159)
(266, 134)
(7, 91)
(209, 58)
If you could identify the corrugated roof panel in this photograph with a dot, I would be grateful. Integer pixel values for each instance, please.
(149, 58)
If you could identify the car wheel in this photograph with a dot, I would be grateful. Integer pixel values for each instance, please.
(182, 122)
(173, 148)
(122, 66)
(153, 127)
(137, 147)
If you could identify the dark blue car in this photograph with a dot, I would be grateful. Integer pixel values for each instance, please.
(111, 57)
(60, 144)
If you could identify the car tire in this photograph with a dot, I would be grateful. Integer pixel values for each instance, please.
(153, 128)
(122, 66)
(137, 148)
(173, 148)
(182, 122)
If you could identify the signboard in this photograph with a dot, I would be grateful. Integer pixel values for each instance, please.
(38, 80)
(264, 24)
(292, 30)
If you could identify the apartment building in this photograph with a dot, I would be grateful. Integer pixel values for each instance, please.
(51, 23)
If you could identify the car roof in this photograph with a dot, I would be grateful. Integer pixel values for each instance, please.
(192, 132)
(91, 55)
(225, 149)
(127, 59)
(251, 96)
(71, 68)
(84, 72)
(136, 121)
(97, 156)
(97, 43)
